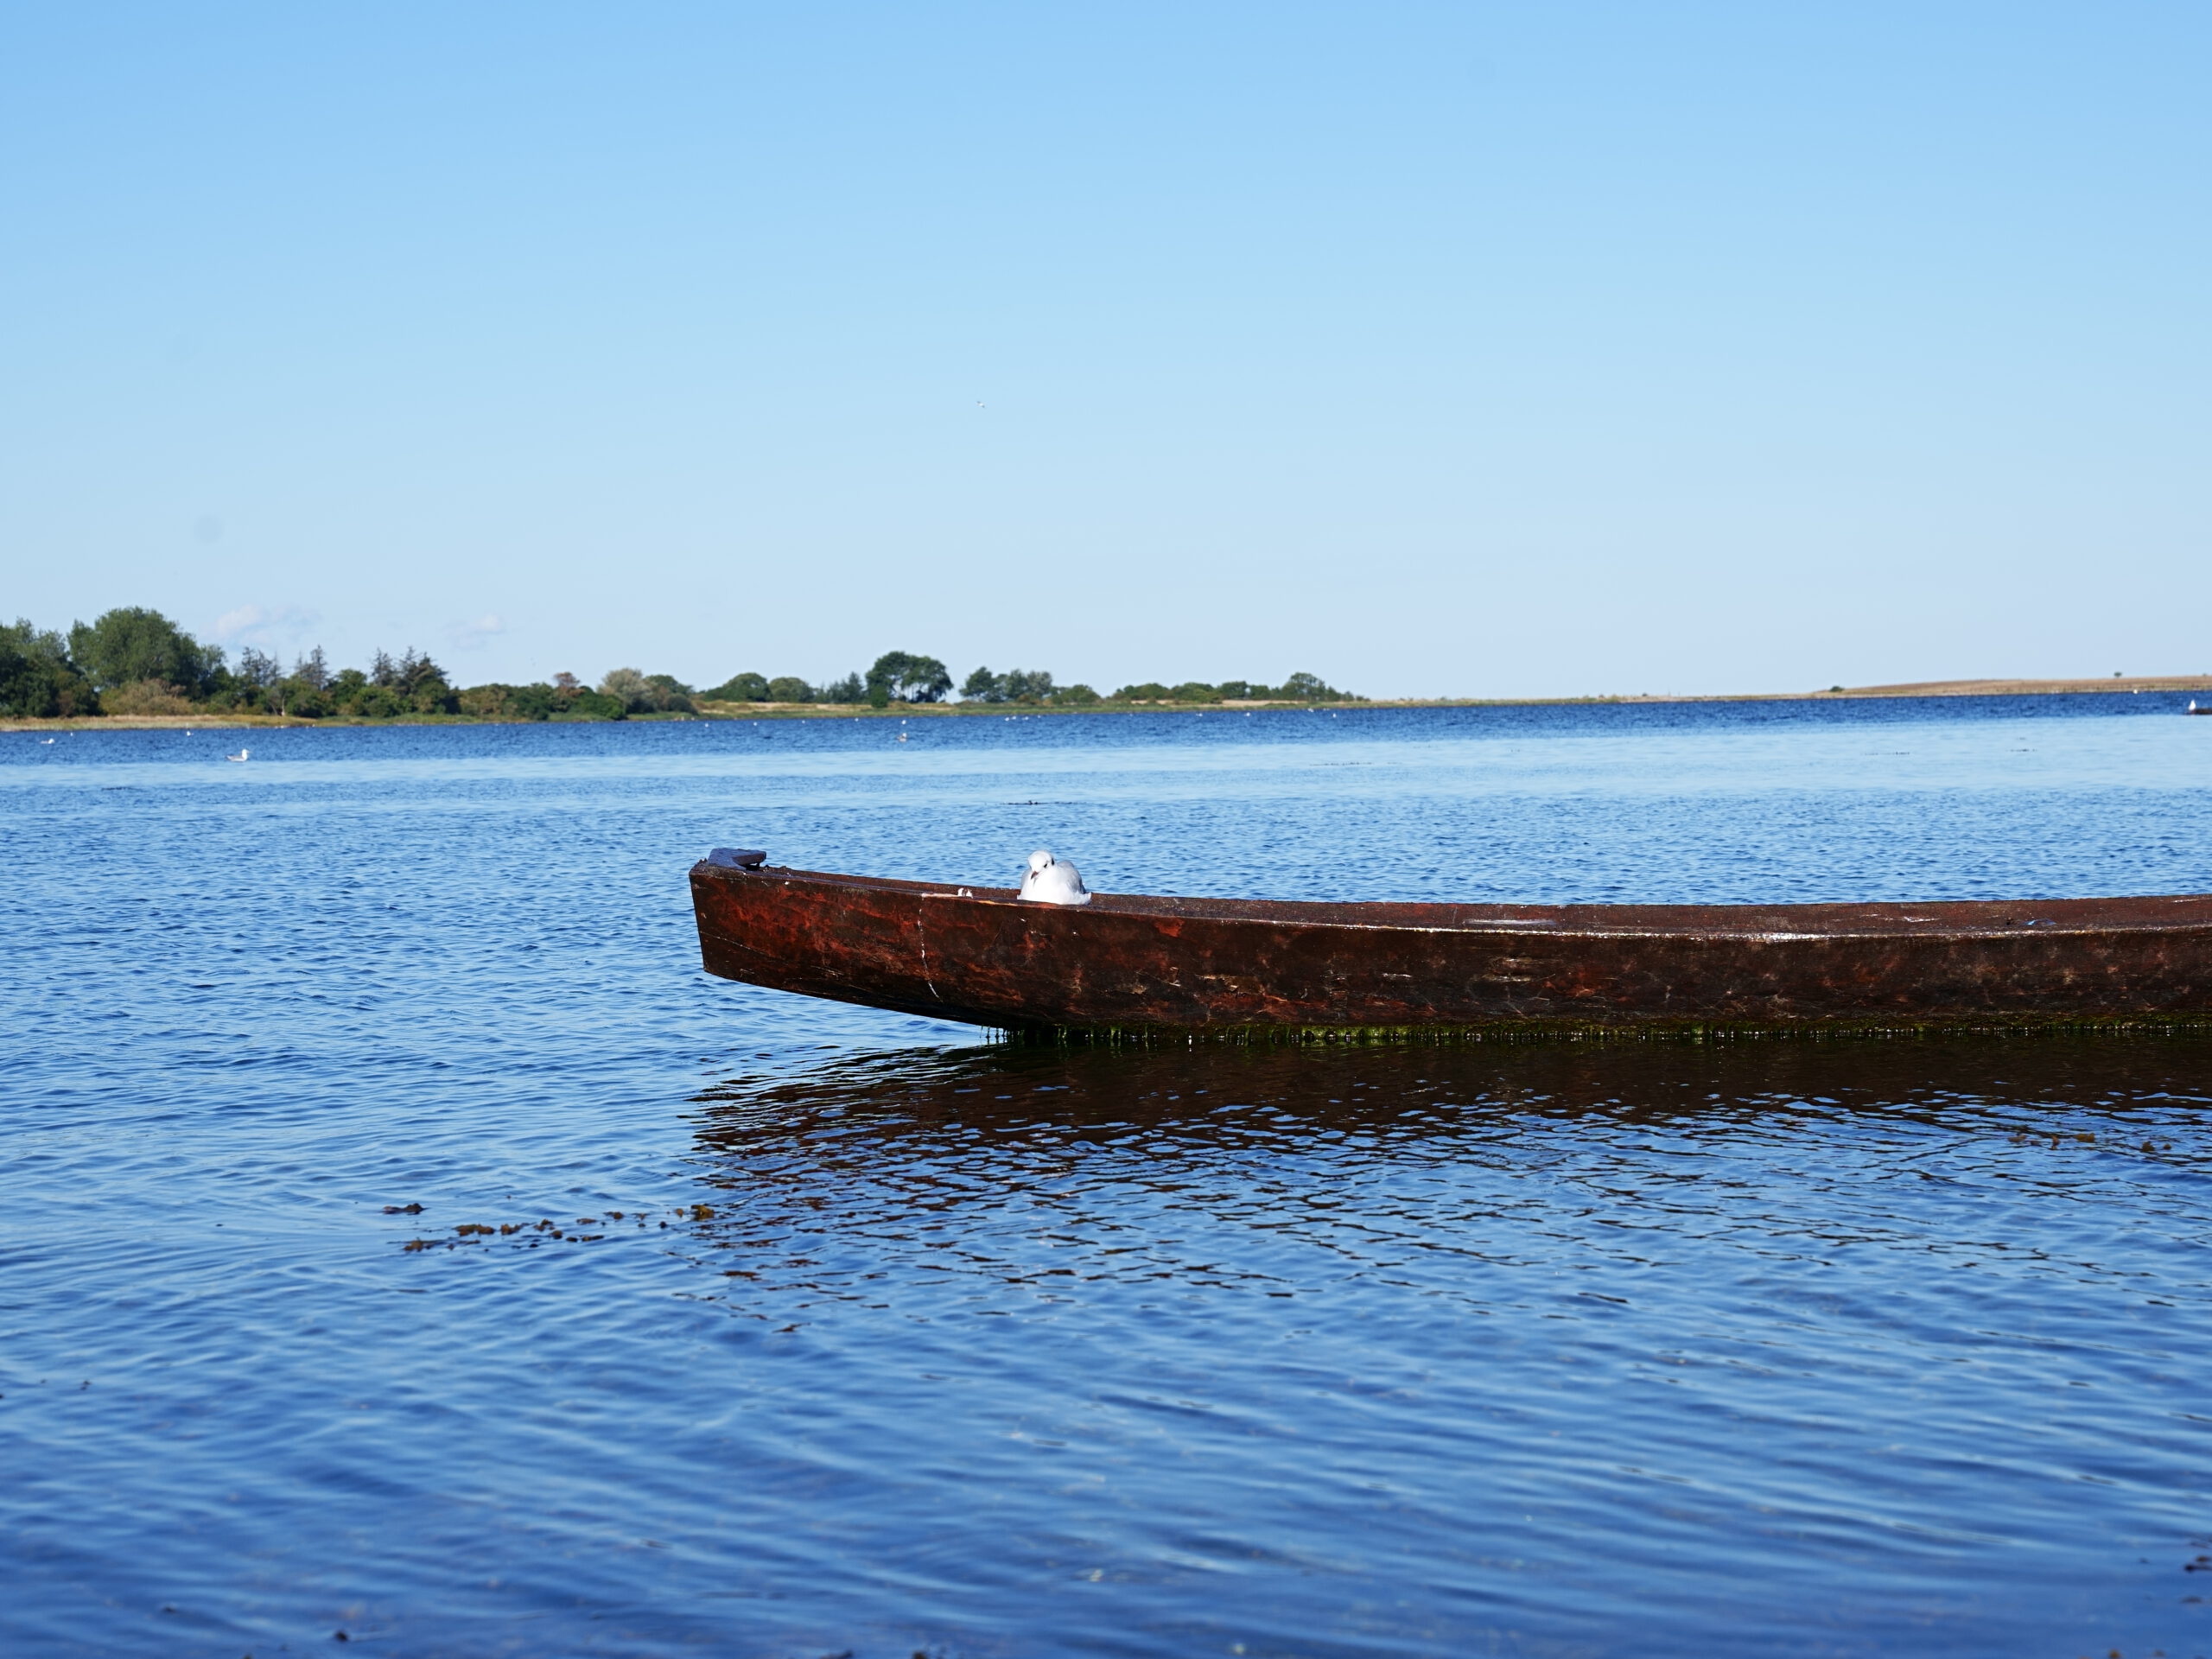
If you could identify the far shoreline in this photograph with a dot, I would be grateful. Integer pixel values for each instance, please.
(757, 711)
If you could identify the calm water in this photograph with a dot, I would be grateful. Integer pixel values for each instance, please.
(820, 1331)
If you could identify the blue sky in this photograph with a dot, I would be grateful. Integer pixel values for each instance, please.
(1434, 349)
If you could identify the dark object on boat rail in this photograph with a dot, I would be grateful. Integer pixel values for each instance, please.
(1125, 964)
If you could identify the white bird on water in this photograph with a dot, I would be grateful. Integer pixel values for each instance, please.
(240, 755)
(1049, 881)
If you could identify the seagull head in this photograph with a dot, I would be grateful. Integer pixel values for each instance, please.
(1040, 862)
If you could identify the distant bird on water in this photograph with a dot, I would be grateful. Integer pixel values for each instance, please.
(1049, 881)
(241, 755)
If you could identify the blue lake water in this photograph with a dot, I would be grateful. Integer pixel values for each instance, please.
(802, 1329)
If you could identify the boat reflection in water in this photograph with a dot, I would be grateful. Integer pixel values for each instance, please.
(1428, 1101)
(1838, 1344)
(1428, 1138)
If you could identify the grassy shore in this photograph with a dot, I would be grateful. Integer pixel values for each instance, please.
(1007, 711)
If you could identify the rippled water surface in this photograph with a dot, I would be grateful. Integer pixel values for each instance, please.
(732, 1323)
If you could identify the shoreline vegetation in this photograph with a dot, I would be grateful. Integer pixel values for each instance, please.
(133, 668)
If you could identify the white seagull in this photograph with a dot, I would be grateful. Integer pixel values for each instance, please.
(241, 755)
(1049, 881)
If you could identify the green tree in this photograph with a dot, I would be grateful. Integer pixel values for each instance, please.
(418, 677)
(122, 647)
(412, 684)
(740, 688)
(532, 701)
(1311, 688)
(592, 705)
(789, 687)
(909, 678)
(675, 696)
(983, 686)
(644, 694)
(1150, 691)
(302, 697)
(37, 679)
(851, 688)
(1076, 696)
(257, 668)
(501, 701)
(252, 684)
(629, 686)
(1195, 691)
(416, 684)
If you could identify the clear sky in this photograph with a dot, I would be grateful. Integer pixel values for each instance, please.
(1455, 349)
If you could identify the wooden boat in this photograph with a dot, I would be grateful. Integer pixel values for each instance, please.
(1125, 963)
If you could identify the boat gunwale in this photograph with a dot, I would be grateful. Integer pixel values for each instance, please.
(1961, 919)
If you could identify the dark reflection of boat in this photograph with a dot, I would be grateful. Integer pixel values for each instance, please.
(942, 1187)
(1139, 964)
(920, 1097)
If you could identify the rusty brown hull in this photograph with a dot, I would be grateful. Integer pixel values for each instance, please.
(1226, 965)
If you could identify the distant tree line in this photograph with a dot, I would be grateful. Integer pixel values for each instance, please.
(1036, 687)
(125, 660)
(901, 676)
(897, 677)
(1298, 688)
(134, 661)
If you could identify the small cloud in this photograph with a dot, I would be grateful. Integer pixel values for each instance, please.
(260, 625)
(474, 636)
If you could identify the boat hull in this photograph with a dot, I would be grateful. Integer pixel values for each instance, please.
(1123, 964)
